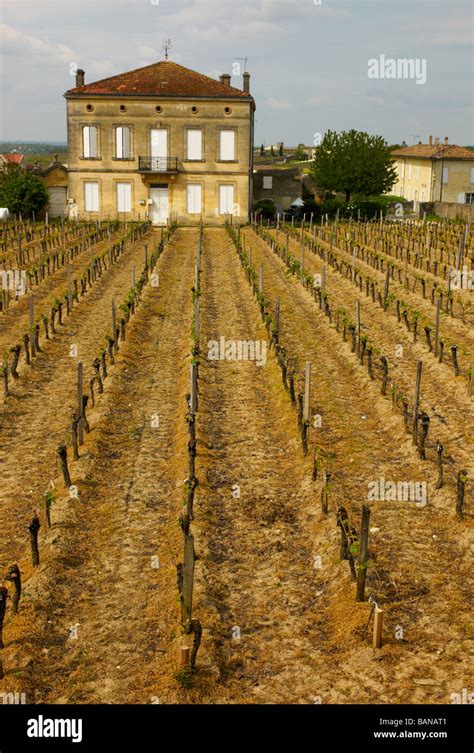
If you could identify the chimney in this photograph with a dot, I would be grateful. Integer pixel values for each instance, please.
(225, 79)
(80, 77)
(247, 82)
(446, 141)
(430, 140)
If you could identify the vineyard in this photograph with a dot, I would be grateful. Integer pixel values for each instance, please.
(236, 462)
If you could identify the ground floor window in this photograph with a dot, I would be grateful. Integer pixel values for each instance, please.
(193, 198)
(226, 199)
(124, 197)
(470, 198)
(91, 196)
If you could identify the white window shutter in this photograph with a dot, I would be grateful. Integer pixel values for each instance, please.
(93, 141)
(85, 142)
(445, 174)
(227, 145)
(472, 174)
(91, 196)
(124, 197)
(119, 142)
(193, 200)
(267, 181)
(126, 143)
(194, 146)
(226, 199)
(122, 142)
(462, 198)
(89, 141)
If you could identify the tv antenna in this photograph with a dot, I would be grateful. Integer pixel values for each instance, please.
(166, 46)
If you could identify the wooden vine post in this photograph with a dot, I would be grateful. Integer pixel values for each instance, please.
(438, 313)
(357, 332)
(378, 622)
(80, 403)
(416, 403)
(188, 579)
(114, 326)
(363, 553)
(69, 291)
(307, 389)
(277, 319)
(193, 388)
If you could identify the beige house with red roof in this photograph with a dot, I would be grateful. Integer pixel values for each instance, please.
(435, 172)
(161, 141)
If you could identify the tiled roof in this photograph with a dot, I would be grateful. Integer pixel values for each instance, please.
(163, 79)
(12, 159)
(437, 151)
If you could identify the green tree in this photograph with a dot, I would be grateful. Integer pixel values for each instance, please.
(280, 150)
(301, 154)
(262, 150)
(22, 191)
(354, 162)
(272, 151)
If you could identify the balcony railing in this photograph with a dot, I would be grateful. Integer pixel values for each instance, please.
(158, 164)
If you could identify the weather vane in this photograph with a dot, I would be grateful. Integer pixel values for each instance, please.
(166, 47)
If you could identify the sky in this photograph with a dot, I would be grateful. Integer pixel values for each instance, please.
(308, 60)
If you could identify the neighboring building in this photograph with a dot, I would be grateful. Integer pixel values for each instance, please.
(435, 172)
(162, 140)
(55, 178)
(12, 159)
(282, 186)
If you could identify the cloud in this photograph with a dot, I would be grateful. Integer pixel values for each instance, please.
(277, 104)
(17, 42)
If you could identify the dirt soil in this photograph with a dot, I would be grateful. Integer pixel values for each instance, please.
(99, 618)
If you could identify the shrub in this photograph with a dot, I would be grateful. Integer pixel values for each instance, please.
(265, 208)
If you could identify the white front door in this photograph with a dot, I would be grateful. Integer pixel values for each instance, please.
(158, 210)
(159, 149)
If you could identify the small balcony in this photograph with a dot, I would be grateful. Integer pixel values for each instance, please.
(157, 164)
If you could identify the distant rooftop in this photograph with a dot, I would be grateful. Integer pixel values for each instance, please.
(12, 158)
(434, 151)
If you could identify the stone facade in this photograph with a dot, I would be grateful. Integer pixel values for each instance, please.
(282, 186)
(172, 116)
(421, 168)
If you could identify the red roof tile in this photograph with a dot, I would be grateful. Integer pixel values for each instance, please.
(437, 151)
(163, 79)
(12, 159)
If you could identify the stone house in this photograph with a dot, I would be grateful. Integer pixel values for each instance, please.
(162, 142)
(282, 186)
(55, 178)
(435, 172)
